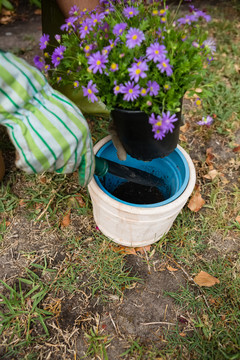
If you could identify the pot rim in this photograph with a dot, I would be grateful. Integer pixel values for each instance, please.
(182, 199)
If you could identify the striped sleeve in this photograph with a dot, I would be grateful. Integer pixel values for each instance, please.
(47, 129)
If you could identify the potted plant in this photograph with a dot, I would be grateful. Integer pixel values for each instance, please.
(139, 58)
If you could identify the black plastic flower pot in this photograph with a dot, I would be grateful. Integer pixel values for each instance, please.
(136, 136)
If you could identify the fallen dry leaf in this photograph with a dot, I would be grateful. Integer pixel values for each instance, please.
(196, 202)
(184, 128)
(170, 268)
(211, 174)
(209, 157)
(198, 90)
(204, 279)
(124, 250)
(238, 219)
(236, 149)
(7, 223)
(182, 334)
(22, 202)
(182, 138)
(38, 12)
(80, 200)
(143, 249)
(66, 219)
(237, 68)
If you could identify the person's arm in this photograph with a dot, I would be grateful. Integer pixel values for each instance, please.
(48, 131)
(65, 6)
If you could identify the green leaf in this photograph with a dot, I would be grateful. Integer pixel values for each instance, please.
(7, 5)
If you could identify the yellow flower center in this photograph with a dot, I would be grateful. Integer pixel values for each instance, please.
(87, 54)
(46, 67)
(130, 12)
(69, 23)
(151, 88)
(164, 64)
(98, 62)
(134, 37)
(87, 47)
(89, 70)
(85, 9)
(105, 51)
(155, 12)
(45, 42)
(86, 27)
(130, 91)
(117, 88)
(143, 91)
(159, 123)
(120, 31)
(139, 63)
(58, 58)
(156, 52)
(112, 45)
(95, 21)
(163, 19)
(166, 86)
(46, 54)
(162, 11)
(75, 83)
(89, 91)
(138, 71)
(113, 66)
(198, 102)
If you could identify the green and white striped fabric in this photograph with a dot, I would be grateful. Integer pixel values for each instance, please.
(47, 129)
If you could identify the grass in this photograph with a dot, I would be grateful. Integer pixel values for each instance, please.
(32, 301)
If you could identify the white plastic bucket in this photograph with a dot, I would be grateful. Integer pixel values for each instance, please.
(131, 225)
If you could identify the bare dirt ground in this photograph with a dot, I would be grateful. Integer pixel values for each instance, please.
(144, 312)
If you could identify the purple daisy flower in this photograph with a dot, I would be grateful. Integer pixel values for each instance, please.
(210, 44)
(130, 11)
(158, 129)
(202, 14)
(131, 91)
(39, 62)
(164, 66)
(137, 70)
(152, 119)
(85, 28)
(57, 55)
(166, 87)
(117, 88)
(167, 121)
(97, 62)
(119, 29)
(74, 10)
(59, 78)
(188, 19)
(69, 23)
(153, 88)
(162, 12)
(198, 102)
(76, 84)
(114, 67)
(97, 18)
(156, 52)
(206, 121)
(90, 91)
(144, 91)
(134, 37)
(44, 39)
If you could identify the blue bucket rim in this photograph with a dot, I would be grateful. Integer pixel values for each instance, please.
(165, 202)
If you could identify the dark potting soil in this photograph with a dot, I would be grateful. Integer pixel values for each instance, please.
(138, 194)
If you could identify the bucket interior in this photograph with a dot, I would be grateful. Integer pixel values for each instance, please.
(173, 170)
